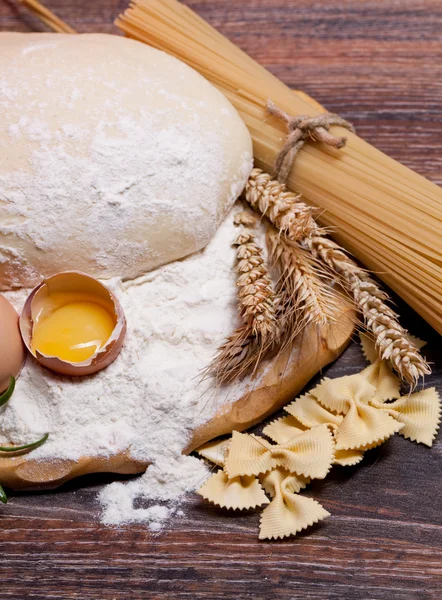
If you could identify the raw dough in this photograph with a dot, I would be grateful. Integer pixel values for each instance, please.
(115, 157)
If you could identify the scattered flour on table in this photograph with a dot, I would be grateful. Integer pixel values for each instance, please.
(150, 399)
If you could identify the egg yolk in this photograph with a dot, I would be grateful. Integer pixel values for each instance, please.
(73, 332)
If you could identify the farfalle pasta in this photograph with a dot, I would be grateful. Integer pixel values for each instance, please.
(283, 470)
(361, 426)
(288, 512)
(337, 395)
(380, 375)
(283, 429)
(215, 451)
(348, 458)
(419, 413)
(355, 407)
(310, 413)
(335, 423)
(238, 493)
(364, 427)
(309, 454)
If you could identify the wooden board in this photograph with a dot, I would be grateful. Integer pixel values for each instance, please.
(377, 62)
(282, 378)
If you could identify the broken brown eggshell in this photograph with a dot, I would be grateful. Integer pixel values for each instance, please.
(12, 350)
(73, 282)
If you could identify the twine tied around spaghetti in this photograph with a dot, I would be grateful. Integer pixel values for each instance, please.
(300, 129)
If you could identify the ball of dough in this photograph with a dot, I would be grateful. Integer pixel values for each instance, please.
(115, 157)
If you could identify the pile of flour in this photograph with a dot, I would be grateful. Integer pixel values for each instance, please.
(151, 398)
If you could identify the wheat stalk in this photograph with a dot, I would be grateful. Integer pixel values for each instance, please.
(236, 356)
(391, 338)
(302, 296)
(270, 198)
(284, 209)
(256, 304)
(255, 291)
(303, 292)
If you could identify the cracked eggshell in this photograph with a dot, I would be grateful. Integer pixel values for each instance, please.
(74, 282)
(12, 350)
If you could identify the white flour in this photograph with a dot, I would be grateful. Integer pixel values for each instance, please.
(149, 399)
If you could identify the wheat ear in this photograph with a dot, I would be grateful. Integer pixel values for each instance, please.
(303, 291)
(284, 209)
(270, 198)
(391, 338)
(256, 304)
(236, 356)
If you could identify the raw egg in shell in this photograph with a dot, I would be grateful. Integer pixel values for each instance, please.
(73, 324)
(12, 350)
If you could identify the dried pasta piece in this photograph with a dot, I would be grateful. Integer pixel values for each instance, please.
(338, 394)
(420, 414)
(354, 396)
(309, 454)
(283, 429)
(387, 384)
(239, 493)
(365, 427)
(288, 513)
(249, 455)
(309, 412)
(416, 341)
(368, 347)
(295, 483)
(215, 451)
(348, 458)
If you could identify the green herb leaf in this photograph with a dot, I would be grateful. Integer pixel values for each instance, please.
(3, 496)
(6, 395)
(26, 447)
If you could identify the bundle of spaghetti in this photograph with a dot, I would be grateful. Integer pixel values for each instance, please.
(385, 214)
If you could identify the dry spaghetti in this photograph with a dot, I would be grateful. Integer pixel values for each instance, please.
(387, 215)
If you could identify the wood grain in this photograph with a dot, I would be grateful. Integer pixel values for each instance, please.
(378, 63)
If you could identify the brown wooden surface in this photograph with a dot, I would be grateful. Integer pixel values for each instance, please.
(378, 63)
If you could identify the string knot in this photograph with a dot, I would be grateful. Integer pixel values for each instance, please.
(300, 129)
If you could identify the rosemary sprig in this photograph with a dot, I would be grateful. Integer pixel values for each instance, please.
(14, 449)
(27, 447)
(3, 399)
(6, 395)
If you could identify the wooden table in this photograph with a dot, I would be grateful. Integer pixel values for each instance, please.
(378, 63)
